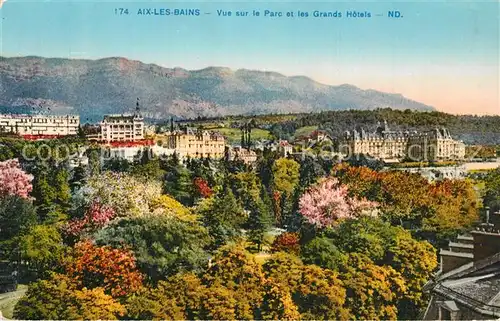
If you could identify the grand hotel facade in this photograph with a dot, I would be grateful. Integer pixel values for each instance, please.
(431, 145)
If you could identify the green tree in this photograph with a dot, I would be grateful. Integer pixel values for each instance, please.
(42, 247)
(178, 183)
(259, 222)
(223, 216)
(492, 190)
(163, 245)
(60, 183)
(78, 178)
(17, 215)
(322, 251)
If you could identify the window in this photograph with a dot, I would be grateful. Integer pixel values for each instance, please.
(444, 314)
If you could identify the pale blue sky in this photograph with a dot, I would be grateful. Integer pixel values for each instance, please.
(441, 53)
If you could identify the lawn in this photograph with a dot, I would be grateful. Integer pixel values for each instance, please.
(303, 131)
(8, 300)
(233, 135)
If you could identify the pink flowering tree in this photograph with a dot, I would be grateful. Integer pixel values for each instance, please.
(328, 202)
(13, 180)
(96, 216)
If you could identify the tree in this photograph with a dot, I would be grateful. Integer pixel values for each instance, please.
(237, 284)
(285, 269)
(416, 261)
(148, 168)
(78, 179)
(223, 216)
(387, 245)
(163, 245)
(63, 190)
(321, 295)
(42, 247)
(128, 196)
(17, 215)
(178, 298)
(59, 298)
(453, 207)
(259, 222)
(287, 242)
(179, 184)
(285, 175)
(372, 290)
(166, 205)
(44, 192)
(327, 203)
(13, 180)
(277, 304)
(201, 187)
(114, 270)
(96, 216)
(117, 165)
(322, 251)
(492, 190)
(310, 171)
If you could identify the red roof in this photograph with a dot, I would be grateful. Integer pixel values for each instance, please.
(40, 137)
(144, 142)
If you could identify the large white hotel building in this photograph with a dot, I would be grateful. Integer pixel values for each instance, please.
(39, 125)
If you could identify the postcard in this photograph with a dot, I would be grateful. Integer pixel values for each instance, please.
(249, 160)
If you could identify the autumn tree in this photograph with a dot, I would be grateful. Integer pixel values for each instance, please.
(287, 242)
(177, 298)
(235, 276)
(201, 187)
(373, 290)
(277, 303)
(168, 206)
(321, 295)
(102, 266)
(60, 298)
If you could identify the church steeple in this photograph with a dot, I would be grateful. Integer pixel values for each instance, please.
(137, 107)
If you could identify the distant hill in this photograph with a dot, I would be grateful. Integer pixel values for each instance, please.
(111, 85)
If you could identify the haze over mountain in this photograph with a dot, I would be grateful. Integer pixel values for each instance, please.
(92, 88)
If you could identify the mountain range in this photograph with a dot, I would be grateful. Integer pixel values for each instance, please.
(92, 88)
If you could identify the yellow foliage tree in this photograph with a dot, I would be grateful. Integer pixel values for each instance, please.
(166, 205)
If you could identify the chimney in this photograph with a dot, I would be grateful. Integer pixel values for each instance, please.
(487, 237)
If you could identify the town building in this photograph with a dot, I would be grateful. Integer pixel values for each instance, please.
(385, 144)
(248, 156)
(40, 125)
(467, 286)
(193, 143)
(122, 128)
(315, 137)
(285, 148)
